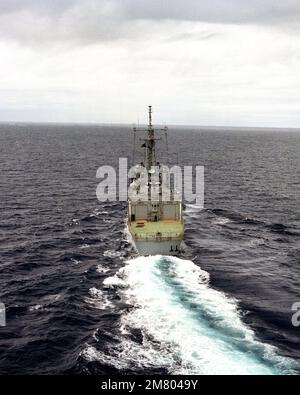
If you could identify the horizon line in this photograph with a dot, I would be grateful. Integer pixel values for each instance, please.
(126, 124)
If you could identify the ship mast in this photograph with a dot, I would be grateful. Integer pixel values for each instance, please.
(150, 143)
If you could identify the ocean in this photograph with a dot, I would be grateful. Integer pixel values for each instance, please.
(80, 301)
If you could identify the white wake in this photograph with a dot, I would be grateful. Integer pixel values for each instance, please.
(187, 327)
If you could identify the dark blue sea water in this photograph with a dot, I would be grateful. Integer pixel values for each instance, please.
(80, 301)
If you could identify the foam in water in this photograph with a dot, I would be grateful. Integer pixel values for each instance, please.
(84, 246)
(36, 307)
(102, 270)
(192, 210)
(222, 221)
(98, 299)
(187, 327)
(113, 254)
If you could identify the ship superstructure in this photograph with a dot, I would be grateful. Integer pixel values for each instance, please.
(155, 217)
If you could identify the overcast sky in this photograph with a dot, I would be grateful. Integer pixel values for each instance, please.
(204, 62)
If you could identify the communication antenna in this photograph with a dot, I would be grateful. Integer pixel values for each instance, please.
(150, 117)
(134, 144)
(149, 141)
(166, 130)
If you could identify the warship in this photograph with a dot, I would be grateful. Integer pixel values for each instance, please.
(155, 217)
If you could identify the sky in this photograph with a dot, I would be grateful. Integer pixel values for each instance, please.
(197, 62)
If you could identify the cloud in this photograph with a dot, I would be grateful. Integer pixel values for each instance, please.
(210, 62)
(215, 11)
(85, 21)
(40, 22)
(241, 75)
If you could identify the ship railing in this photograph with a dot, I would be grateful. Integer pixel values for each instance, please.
(166, 236)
